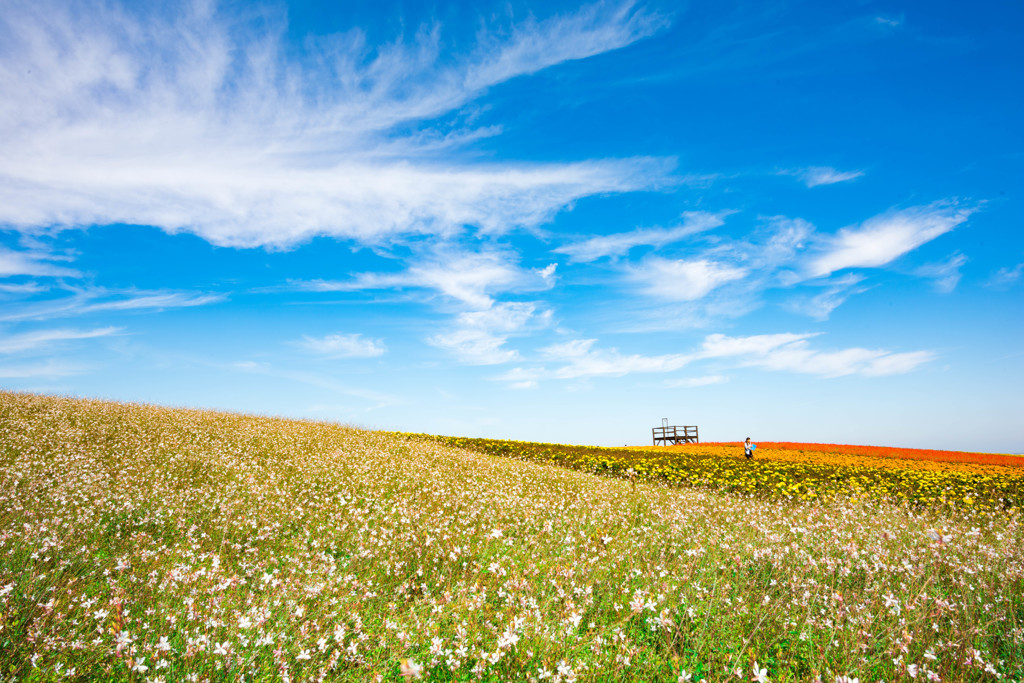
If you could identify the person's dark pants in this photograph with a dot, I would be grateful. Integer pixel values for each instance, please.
(749, 454)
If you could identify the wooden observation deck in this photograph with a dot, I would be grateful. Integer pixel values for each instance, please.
(673, 435)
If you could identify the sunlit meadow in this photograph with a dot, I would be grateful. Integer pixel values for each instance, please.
(150, 544)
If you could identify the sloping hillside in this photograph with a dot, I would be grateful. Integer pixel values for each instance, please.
(142, 543)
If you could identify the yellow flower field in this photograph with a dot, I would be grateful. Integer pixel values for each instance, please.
(786, 472)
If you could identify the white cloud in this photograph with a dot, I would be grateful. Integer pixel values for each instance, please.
(691, 382)
(787, 237)
(22, 289)
(343, 346)
(1004, 277)
(319, 380)
(479, 337)
(792, 352)
(537, 45)
(115, 115)
(32, 341)
(153, 300)
(719, 345)
(889, 22)
(96, 300)
(834, 294)
(520, 378)
(884, 238)
(475, 347)
(813, 176)
(619, 244)
(798, 357)
(945, 276)
(683, 280)
(28, 263)
(49, 368)
(505, 317)
(585, 361)
(470, 278)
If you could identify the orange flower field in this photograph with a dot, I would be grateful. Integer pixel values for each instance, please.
(887, 452)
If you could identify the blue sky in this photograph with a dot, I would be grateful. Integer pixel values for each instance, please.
(552, 222)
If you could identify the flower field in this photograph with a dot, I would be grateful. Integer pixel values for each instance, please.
(976, 481)
(140, 543)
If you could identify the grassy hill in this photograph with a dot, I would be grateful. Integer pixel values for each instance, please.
(149, 544)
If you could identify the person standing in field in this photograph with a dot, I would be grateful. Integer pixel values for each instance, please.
(748, 449)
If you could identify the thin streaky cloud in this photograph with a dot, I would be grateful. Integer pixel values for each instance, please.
(34, 341)
(520, 378)
(23, 288)
(470, 278)
(890, 22)
(479, 337)
(681, 279)
(945, 275)
(191, 124)
(156, 301)
(99, 300)
(619, 244)
(13, 263)
(720, 345)
(882, 239)
(583, 360)
(793, 353)
(534, 45)
(693, 382)
(815, 176)
(343, 346)
(789, 352)
(1005, 277)
(834, 294)
(49, 368)
(475, 346)
(316, 379)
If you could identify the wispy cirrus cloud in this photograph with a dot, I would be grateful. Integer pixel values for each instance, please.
(479, 337)
(1007, 276)
(472, 278)
(833, 294)
(46, 369)
(883, 239)
(793, 353)
(473, 346)
(692, 382)
(814, 176)
(369, 399)
(619, 244)
(189, 122)
(945, 275)
(30, 263)
(789, 352)
(520, 378)
(86, 301)
(42, 339)
(343, 346)
(683, 279)
(22, 289)
(536, 45)
(472, 281)
(583, 360)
